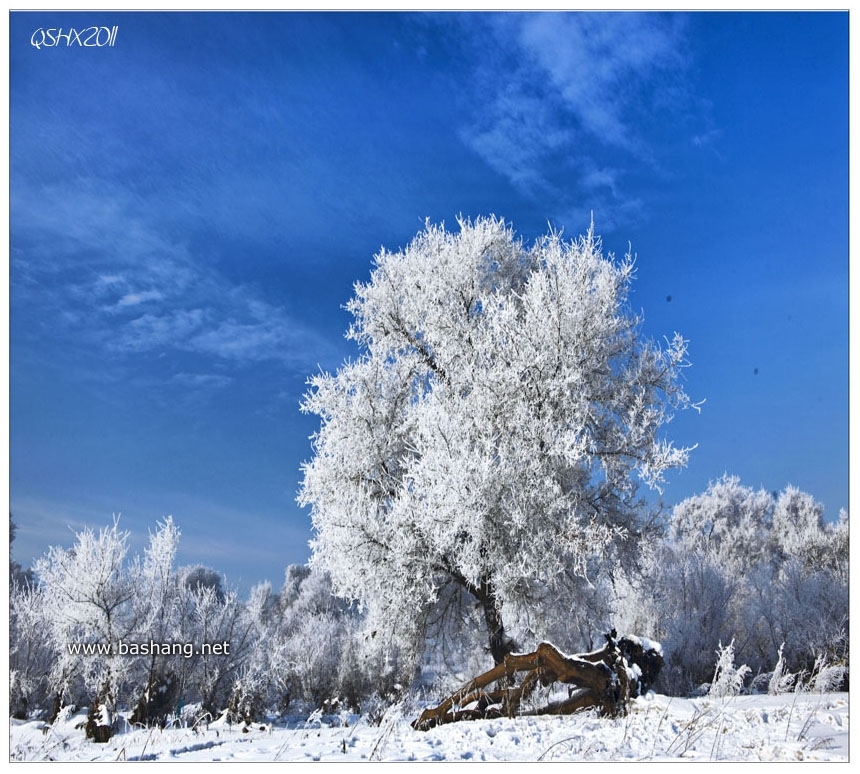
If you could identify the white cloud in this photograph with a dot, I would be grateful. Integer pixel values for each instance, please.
(598, 62)
(236, 341)
(157, 331)
(133, 299)
(554, 91)
(600, 178)
(202, 381)
(516, 132)
(98, 256)
(709, 141)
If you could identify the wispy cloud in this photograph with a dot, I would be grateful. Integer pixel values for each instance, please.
(708, 141)
(561, 101)
(148, 332)
(134, 299)
(602, 64)
(202, 381)
(516, 133)
(99, 257)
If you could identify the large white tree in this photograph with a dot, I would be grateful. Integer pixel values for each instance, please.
(494, 430)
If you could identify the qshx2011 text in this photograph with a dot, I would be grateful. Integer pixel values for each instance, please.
(89, 37)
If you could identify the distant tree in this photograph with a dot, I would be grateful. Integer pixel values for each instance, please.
(89, 600)
(207, 617)
(252, 685)
(198, 577)
(730, 523)
(16, 572)
(761, 569)
(30, 653)
(315, 650)
(494, 430)
(156, 620)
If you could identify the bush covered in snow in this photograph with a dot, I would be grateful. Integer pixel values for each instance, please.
(762, 570)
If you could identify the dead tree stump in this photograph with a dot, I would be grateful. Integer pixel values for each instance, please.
(606, 679)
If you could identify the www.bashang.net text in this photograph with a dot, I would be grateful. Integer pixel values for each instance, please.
(150, 648)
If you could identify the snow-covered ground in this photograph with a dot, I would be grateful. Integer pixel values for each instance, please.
(791, 727)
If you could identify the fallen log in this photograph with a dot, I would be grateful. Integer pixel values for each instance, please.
(606, 679)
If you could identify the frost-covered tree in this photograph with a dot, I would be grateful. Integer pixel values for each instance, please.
(761, 569)
(197, 577)
(212, 616)
(157, 614)
(317, 650)
(17, 574)
(89, 600)
(494, 430)
(30, 652)
(729, 522)
(252, 684)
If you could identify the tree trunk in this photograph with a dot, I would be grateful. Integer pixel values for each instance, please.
(500, 643)
(99, 726)
(485, 593)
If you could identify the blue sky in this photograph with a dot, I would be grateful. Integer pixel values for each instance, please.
(190, 207)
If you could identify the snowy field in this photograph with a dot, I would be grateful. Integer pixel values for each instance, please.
(791, 727)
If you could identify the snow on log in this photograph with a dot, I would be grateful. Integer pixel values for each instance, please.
(606, 678)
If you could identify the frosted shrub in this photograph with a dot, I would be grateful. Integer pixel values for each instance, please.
(826, 677)
(781, 681)
(695, 599)
(728, 679)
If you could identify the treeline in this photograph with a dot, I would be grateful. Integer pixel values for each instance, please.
(732, 565)
(738, 565)
(299, 647)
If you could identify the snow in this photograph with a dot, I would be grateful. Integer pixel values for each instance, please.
(790, 727)
(644, 643)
